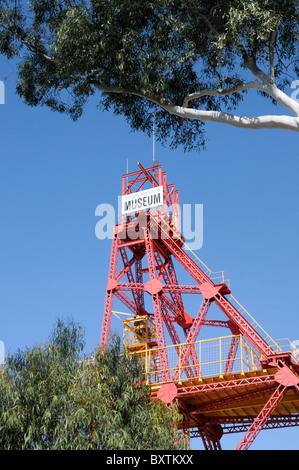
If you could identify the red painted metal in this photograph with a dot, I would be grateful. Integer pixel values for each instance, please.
(286, 377)
(191, 337)
(232, 425)
(147, 245)
(210, 433)
(231, 355)
(214, 293)
(111, 284)
(154, 286)
(262, 418)
(224, 385)
(167, 393)
(258, 391)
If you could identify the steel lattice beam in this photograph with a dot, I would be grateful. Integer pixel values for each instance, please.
(258, 391)
(109, 293)
(231, 425)
(222, 385)
(262, 418)
(158, 246)
(157, 307)
(198, 275)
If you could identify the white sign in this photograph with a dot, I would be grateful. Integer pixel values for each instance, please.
(142, 200)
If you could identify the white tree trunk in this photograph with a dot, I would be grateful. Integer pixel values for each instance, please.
(247, 122)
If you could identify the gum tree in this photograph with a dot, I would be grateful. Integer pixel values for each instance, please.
(184, 61)
(54, 398)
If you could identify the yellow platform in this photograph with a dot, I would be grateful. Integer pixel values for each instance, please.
(207, 398)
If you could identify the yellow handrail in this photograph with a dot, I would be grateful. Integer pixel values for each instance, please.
(212, 356)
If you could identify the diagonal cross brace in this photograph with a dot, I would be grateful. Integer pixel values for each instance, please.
(285, 378)
(191, 337)
(262, 418)
(207, 284)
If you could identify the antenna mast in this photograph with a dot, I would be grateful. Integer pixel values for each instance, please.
(155, 162)
(153, 139)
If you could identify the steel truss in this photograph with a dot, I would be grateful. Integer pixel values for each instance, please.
(145, 247)
(232, 425)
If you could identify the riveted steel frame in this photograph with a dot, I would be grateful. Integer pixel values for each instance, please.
(158, 247)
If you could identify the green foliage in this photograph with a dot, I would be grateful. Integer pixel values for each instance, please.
(155, 52)
(51, 398)
(34, 390)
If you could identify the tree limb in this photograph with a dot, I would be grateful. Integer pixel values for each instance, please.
(106, 88)
(246, 122)
(200, 16)
(141, 93)
(222, 91)
(272, 43)
(266, 84)
(269, 87)
(28, 45)
(250, 63)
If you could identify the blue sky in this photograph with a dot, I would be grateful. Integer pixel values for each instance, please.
(53, 175)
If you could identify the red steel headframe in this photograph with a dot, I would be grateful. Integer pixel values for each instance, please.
(144, 247)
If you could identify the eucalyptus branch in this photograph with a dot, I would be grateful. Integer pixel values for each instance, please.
(252, 122)
(141, 93)
(173, 47)
(27, 44)
(222, 91)
(269, 87)
(250, 63)
(272, 43)
(204, 18)
(106, 88)
(245, 122)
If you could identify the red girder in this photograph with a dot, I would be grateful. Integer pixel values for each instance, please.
(139, 279)
(157, 309)
(207, 442)
(109, 294)
(148, 175)
(233, 424)
(159, 246)
(176, 341)
(168, 322)
(231, 355)
(164, 272)
(127, 269)
(245, 328)
(126, 301)
(176, 295)
(221, 385)
(218, 323)
(273, 422)
(191, 371)
(200, 277)
(209, 433)
(127, 264)
(191, 336)
(262, 418)
(258, 391)
(183, 289)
